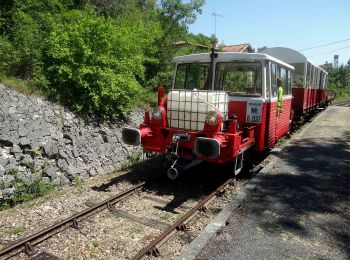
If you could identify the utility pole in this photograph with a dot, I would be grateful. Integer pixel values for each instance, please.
(215, 15)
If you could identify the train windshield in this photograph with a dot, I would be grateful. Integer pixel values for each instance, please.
(192, 76)
(239, 78)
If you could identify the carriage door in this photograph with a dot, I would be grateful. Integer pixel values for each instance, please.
(283, 116)
(278, 121)
(272, 107)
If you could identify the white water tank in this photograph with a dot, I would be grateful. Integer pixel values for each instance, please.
(187, 109)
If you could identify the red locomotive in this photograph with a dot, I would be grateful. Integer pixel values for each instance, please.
(222, 104)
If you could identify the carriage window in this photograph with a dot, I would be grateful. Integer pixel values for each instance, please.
(289, 75)
(315, 78)
(325, 81)
(239, 78)
(274, 80)
(308, 76)
(298, 75)
(267, 86)
(319, 75)
(192, 76)
(320, 82)
(283, 77)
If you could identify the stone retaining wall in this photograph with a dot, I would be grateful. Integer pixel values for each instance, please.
(40, 139)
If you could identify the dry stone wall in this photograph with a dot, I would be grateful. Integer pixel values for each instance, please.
(40, 139)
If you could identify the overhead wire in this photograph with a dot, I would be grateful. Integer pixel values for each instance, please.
(330, 51)
(319, 46)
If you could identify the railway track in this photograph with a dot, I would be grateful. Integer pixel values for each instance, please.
(30, 245)
(27, 244)
(153, 247)
(343, 103)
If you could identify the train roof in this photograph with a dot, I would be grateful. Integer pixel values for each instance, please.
(229, 56)
(289, 55)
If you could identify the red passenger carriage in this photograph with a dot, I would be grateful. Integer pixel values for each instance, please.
(309, 81)
(220, 105)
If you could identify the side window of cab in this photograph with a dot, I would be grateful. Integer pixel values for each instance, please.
(273, 80)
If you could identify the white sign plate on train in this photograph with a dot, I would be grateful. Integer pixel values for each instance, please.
(254, 111)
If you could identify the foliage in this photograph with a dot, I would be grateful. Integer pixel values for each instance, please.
(135, 158)
(9, 55)
(339, 80)
(174, 16)
(260, 49)
(77, 181)
(19, 84)
(96, 56)
(25, 191)
(89, 65)
(17, 230)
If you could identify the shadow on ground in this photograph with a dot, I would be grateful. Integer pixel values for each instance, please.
(195, 183)
(310, 195)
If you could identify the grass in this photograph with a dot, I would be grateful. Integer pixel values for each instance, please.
(5, 206)
(38, 152)
(136, 229)
(17, 230)
(78, 181)
(20, 85)
(25, 191)
(342, 93)
(165, 217)
(135, 158)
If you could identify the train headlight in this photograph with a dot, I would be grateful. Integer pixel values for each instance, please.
(157, 113)
(212, 118)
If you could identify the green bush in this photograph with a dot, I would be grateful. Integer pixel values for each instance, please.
(9, 56)
(93, 63)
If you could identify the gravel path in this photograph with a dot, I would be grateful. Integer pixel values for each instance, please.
(300, 210)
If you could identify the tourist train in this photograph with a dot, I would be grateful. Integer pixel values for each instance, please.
(222, 104)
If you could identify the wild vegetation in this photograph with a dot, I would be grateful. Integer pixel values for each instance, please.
(101, 57)
(96, 56)
(339, 80)
(25, 190)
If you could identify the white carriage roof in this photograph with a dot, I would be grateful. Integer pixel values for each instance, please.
(289, 55)
(227, 57)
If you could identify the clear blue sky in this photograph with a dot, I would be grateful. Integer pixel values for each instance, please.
(297, 24)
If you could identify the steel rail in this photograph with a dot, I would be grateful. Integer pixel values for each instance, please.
(152, 249)
(341, 102)
(27, 243)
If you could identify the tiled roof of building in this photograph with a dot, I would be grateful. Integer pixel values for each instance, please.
(183, 43)
(245, 47)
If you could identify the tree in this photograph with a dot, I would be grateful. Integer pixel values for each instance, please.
(260, 49)
(338, 79)
(174, 17)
